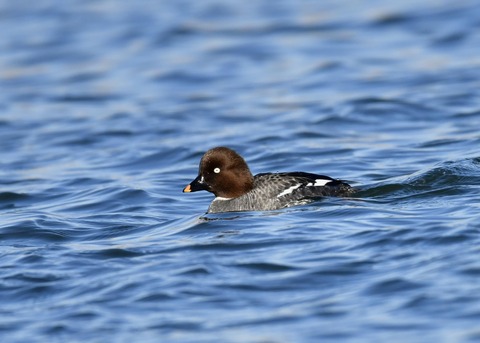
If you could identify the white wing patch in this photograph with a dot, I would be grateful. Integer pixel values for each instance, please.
(318, 183)
(289, 190)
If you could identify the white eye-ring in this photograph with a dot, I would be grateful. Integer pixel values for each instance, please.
(216, 170)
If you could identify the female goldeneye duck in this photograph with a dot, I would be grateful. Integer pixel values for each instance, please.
(225, 173)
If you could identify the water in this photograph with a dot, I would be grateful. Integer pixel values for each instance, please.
(107, 107)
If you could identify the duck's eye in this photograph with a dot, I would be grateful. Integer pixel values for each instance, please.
(216, 170)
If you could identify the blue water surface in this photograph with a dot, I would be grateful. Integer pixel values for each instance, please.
(106, 108)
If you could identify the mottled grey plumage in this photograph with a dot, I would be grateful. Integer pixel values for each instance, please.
(267, 187)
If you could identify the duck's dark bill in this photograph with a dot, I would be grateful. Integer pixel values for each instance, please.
(196, 185)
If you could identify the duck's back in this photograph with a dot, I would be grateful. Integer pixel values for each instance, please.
(273, 191)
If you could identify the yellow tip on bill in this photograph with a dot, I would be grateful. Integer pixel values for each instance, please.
(187, 189)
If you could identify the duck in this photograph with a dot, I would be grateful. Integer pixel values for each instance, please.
(223, 172)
